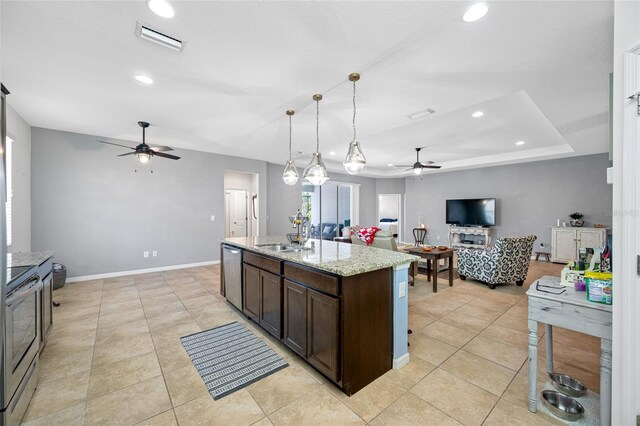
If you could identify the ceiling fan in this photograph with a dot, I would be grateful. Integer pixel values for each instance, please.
(418, 166)
(144, 152)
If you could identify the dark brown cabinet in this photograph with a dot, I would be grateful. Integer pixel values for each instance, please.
(251, 292)
(271, 303)
(295, 317)
(323, 333)
(341, 325)
(312, 327)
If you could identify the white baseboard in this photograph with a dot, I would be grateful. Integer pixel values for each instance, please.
(140, 271)
(401, 362)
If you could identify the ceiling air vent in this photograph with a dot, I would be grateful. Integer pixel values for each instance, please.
(157, 37)
(422, 113)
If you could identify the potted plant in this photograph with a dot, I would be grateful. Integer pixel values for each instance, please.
(576, 219)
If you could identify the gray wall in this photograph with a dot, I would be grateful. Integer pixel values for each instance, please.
(99, 216)
(20, 132)
(284, 200)
(530, 196)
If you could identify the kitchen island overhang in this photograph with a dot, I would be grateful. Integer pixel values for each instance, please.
(341, 307)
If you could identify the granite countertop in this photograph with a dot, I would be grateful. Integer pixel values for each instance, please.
(337, 258)
(28, 259)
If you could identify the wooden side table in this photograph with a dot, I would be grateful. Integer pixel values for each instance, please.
(433, 257)
(545, 254)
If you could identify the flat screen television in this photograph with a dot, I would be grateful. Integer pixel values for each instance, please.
(472, 212)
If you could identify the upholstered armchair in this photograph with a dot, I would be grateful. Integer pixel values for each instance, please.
(505, 262)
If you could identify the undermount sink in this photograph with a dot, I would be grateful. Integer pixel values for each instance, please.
(284, 248)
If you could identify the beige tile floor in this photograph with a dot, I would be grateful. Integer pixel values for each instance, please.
(114, 358)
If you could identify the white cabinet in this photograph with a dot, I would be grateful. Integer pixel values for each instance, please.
(565, 242)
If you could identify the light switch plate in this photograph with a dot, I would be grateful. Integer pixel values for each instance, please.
(154, 253)
(402, 290)
(213, 218)
(145, 254)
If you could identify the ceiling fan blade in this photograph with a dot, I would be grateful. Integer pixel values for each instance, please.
(128, 153)
(428, 166)
(116, 144)
(161, 148)
(405, 165)
(162, 154)
(410, 168)
(426, 163)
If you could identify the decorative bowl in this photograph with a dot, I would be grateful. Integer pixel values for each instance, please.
(442, 247)
(568, 385)
(426, 249)
(562, 406)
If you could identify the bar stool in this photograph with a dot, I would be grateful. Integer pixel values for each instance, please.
(419, 234)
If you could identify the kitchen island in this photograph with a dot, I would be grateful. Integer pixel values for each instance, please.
(341, 307)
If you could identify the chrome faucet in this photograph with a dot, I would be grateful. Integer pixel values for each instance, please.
(298, 222)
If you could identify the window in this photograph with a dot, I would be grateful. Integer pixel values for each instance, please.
(9, 181)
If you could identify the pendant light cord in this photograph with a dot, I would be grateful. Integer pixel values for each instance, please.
(317, 126)
(289, 138)
(354, 110)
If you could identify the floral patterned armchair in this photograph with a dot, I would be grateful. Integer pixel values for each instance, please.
(506, 261)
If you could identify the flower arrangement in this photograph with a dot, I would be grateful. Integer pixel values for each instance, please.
(576, 219)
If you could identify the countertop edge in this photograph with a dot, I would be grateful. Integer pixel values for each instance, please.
(333, 271)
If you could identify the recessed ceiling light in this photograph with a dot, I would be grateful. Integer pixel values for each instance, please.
(475, 12)
(332, 153)
(422, 113)
(161, 8)
(390, 164)
(144, 79)
(477, 114)
(519, 143)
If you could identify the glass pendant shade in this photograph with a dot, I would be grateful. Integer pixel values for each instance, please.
(143, 157)
(417, 171)
(316, 172)
(290, 174)
(355, 160)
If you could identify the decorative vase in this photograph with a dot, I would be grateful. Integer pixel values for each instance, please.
(577, 223)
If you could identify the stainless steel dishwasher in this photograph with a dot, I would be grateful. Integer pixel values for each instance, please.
(232, 266)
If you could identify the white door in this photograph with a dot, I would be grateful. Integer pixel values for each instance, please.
(236, 213)
(564, 245)
(590, 238)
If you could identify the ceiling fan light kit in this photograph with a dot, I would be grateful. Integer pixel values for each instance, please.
(316, 172)
(143, 152)
(355, 160)
(290, 174)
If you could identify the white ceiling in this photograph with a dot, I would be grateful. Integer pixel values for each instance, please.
(538, 70)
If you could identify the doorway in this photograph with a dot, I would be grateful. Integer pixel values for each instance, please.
(389, 213)
(240, 204)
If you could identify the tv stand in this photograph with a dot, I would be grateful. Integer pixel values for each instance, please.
(481, 237)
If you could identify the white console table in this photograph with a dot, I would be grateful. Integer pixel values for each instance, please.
(569, 310)
(456, 232)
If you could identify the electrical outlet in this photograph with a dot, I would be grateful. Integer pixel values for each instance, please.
(402, 290)
(154, 253)
(213, 218)
(438, 237)
(145, 254)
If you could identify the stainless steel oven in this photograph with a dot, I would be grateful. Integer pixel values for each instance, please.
(22, 340)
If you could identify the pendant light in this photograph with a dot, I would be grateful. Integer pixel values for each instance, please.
(290, 174)
(316, 172)
(354, 161)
